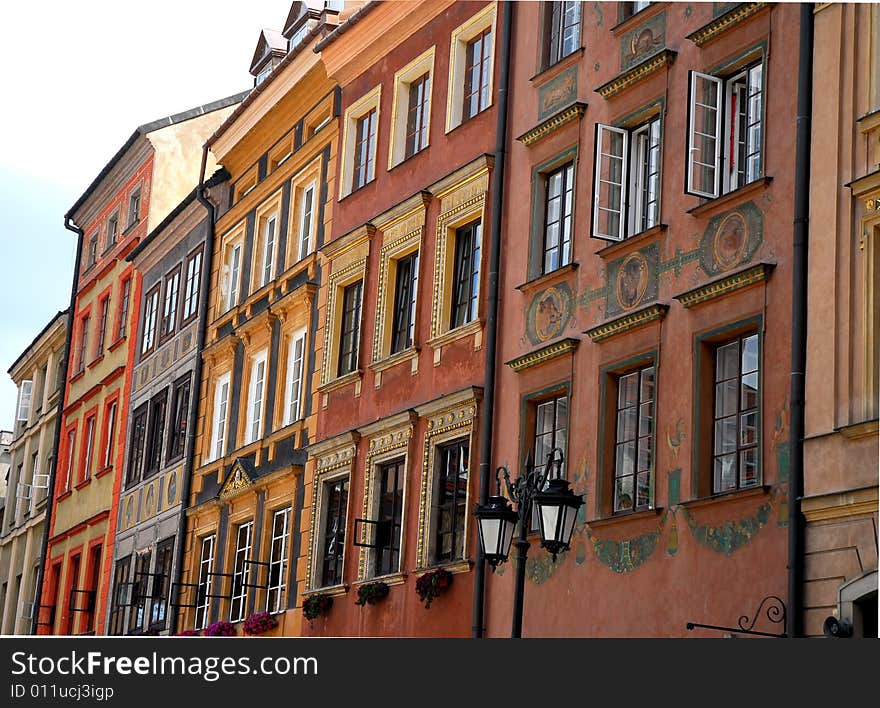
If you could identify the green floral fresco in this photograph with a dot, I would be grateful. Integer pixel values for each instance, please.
(731, 535)
(628, 554)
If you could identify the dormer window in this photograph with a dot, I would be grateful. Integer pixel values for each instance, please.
(264, 74)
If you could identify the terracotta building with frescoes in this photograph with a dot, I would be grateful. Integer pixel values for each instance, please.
(149, 175)
(841, 452)
(391, 476)
(646, 304)
(255, 399)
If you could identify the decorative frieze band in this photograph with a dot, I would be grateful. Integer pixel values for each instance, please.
(723, 286)
(628, 322)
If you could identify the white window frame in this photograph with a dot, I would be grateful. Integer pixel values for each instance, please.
(725, 164)
(256, 396)
(170, 304)
(242, 552)
(91, 423)
(220, 415)
(281, 586)
(151, 315)
(418, 67)
(357, 110)
(25, 395)
(306, 221)
(460, 37)
(267, 263)
(601, 159)
(192, 284)
(71, 443)
(111, 432)
(295, 377)
(232, 275)
(206, 567)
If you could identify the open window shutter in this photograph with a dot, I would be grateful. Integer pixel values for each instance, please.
(24, 400)
(609, 183)
(704, 135)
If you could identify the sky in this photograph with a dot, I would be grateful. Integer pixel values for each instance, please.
(77, 78)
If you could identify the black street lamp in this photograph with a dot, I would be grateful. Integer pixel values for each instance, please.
(557, 507)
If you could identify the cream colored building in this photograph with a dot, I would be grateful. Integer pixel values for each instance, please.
(37, 375)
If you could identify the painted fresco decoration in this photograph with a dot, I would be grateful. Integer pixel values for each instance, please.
(549, 313)
(632, 280)
(731, 239)
(600, 15)
(731, 535)
(675, 436)
(238, 480)
(558, 93)
(149, 500)
(643, 41)
(628, 554)
(173, 352)
(719, 8)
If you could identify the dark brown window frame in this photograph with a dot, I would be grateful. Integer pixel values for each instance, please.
(405, 309)
(179, 419)
(466, 275)
(185, 319)
(166, 332)
(484, 38)
(349, 337)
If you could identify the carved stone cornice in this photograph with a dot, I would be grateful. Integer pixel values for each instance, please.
(628, 322)
(725, 285)
(640, 71)
(722, 23)
(544, 354)
(573, 112)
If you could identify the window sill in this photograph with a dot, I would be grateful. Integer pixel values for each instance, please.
(131, 227)
(452, 335)
(331, 590)
(545, 278)
(710, 206)
(103, 471)
(624, 516)
(398, 578)
(78, 375)
(341, 381)
(355, 190)
(113, 347)
(459, 566)
(640, 238)
(548, 73)
(408, 158)
(83, 484)
(390, 361)
(464, 121)
(735, 495)
(64, 495)
(94, 362)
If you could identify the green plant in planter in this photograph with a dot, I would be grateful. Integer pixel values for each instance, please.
(371, 593)
(317, 605)
(432, 584)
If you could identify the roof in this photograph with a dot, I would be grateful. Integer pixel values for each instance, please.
(346, 25)
(61, 313)
(219, 176)
(150, 127)
(270, 42)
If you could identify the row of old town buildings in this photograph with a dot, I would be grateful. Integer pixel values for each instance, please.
(309, 321)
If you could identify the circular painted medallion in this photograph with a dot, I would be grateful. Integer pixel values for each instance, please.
(632, 280)
(731, 240)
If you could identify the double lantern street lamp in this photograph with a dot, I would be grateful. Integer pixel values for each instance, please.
(557, 509)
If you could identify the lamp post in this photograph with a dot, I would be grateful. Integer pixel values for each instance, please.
(557, 506)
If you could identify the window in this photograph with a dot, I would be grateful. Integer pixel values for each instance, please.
(268, 257)
(306, 219)
(232, 275)
(203, 591)
(562, 27)
(90, 445)
(123, 308)
(404, 318)
(110, 419)
(221, 403)
(151, 311)
(365, 149)
(255, 398)
(466, 273)
(240, 572)
(725, 131)
(169, 308)
(137, 446)
(626, 183)
(478, 56)
(411, 110)
(161, 584)
(25, 393)
(156, 433)
(92, 254)
(628, 9)
(192, 286)
(120, 599)
(295, 359)
(278, 561)
(389, 491)
(417, 115)
(264, 74)
(735, 437)
(335, 494)
(450, 499)
(139, 588)
(102, 327)
(134, 207)
(112, 230)
(179, 419)
(633, 447)
(71, 443)
(83, 344)
(558, 207)
(551, 430)
(349, 334)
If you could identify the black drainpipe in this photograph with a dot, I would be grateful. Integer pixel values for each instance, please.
(50, 498)
(799, 323)
(197, 382)
(488, 414)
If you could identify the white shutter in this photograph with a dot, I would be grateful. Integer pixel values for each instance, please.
(609, 183)
(704, 135)
(24, 400)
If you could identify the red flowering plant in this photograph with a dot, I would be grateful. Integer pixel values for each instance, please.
(220, 629)
(259, 622)
(371, 593)
(317, 605)
(431, 584)
(189, 633)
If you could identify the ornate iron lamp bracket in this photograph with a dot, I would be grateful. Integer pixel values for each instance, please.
(772, 607)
